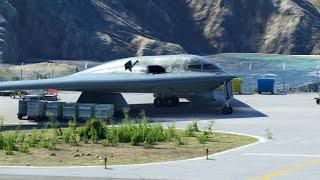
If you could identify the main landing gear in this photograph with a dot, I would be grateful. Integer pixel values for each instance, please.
(228, 93)
(226, 110)
(168, 101)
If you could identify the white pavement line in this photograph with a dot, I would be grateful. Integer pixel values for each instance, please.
(260, 140)
(282, 155)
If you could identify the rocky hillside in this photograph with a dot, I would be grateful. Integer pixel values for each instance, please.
(316, 3)
(107, 29)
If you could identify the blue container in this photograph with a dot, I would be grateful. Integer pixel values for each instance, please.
(266, 85)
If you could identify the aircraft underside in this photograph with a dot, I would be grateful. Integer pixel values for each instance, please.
(205, 98)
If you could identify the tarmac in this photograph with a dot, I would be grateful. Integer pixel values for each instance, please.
(292, 153)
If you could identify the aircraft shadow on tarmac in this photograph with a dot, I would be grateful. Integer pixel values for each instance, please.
(187, 112)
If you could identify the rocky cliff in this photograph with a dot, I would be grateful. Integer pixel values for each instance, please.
(107, 29)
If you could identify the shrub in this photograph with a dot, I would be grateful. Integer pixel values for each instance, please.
(43, 140)
(72, 124)
(147, 144)
(56, 126)
(202, 138)
(66, 136)
(51, 144)
(73, 139)
(209, 128)
(33, 139)
(83, 136)
(21, 137)
(171, 131)
(191, 129)
(106, 142)
(1, 142)
(269, 134)
(125, 130)
(111, 137)
(134, 140)
(126, 114)
(1, 123)
(157, 132)
(94, 127)
(24, 147)
(55, 139)
(8, 143)
(94, 136)
(179, 140)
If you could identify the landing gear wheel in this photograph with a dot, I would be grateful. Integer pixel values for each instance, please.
(157, 102)
(176, 101)
(227, 110)
(20, 116)
(170, 102)
(318, 101)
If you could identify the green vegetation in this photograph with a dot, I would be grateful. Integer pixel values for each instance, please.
(132, 141)
(269, 134)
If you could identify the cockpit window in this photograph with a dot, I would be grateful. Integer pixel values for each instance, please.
(194, 66)
(210, 67)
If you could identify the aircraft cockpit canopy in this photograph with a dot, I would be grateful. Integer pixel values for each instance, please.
(201, 66)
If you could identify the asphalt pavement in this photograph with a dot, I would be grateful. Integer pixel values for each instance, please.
(293, 153)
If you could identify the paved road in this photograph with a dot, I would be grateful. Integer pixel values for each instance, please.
(293, 154)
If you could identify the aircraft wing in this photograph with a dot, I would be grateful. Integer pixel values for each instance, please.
(125, 82)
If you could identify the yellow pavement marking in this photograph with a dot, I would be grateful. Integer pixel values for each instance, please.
(287, 170)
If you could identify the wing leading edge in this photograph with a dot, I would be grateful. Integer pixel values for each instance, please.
(124, 82)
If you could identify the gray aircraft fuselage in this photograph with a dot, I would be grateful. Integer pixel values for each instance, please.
(165, 76)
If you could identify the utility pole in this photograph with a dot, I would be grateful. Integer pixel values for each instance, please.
(249, 83)
(318, 76)
(283, 78)
(21, 71)
(52, 70)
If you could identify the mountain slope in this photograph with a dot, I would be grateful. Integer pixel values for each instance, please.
(316, 3)
(104, 29)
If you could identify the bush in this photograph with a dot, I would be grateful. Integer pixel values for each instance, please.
(93, 127)
(1, 123)
(73, 139)
(191, 129)
(134, 140)
(125, 131)
(51, 144)
(72, 124)
(56, 125)
(179, 140)
(8, 143)
(83, 136)
(66, 136)
(147, 144)
(24, 147)
(94, 136)
(202, 138)
(33, 139)
(157, 132)
(1, 142)
(171, 131)
(106, 143)
(21, 137)
(55, 139)
(43, 140)
(112, 136)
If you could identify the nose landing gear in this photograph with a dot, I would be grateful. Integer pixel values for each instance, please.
(167, 101)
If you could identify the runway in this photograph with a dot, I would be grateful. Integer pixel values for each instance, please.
(294, 152)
